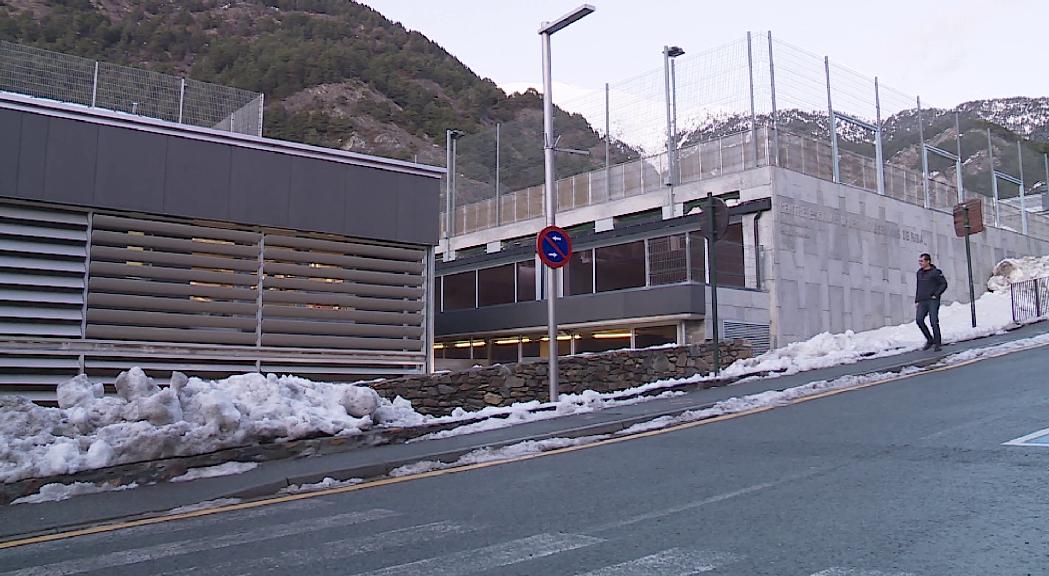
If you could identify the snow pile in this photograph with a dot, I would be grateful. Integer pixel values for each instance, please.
(58, 492)
(481, 455)
(1012, 270)
(227, 469)
(205, 505)
(191, 416)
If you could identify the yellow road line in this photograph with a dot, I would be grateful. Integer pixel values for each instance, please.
(469, 467)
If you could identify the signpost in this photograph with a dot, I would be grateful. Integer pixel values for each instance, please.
(554, 247)
(715, 213)
(968, 220)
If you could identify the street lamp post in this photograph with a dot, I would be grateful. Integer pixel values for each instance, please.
(547, 29)
(669, 54)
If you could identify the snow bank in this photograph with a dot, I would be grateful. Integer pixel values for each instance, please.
(190, 416)
(993, 313)
(325, 484)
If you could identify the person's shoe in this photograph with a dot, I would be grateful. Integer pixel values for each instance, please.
(928, 344)
(936, 347)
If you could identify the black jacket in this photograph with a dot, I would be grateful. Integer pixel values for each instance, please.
(931, 284)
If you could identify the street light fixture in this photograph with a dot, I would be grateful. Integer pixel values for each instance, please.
(669, 54)
(546, 29)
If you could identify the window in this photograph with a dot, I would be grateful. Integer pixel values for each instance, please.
(530, 346)
(437, 282)
(526, 281)
(579, 276)
(504, 350)
(655, 336)
(603, 341)
(620, 266)
(731, 268)
(666, 260)
(460, 291)
(495, 285)
(697, 253)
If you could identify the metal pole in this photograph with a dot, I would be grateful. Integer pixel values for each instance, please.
(608, 145)
(550, 206)
(835, 174)
(969, 262)
(449, 202)
(673, 124)
(772, 82)
(498, 195)
(958, 162)
(753, 114)
(94, 86)
(994, 178)
(877, 140)
(1023, 203)
(925, 156)
(181, 99)
(670, 128)
(431, 307)
(713, 271)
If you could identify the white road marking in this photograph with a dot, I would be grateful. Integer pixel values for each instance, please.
(168, 549)
(838, 571)
(165, 527)
(490, 557)
(1022, 440)
(328, 551)
(673, 562)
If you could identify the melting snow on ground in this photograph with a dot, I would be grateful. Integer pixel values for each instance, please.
(145, 421)
(58, 492)
(227, 469)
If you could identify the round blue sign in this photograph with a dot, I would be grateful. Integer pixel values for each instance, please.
(553, 246)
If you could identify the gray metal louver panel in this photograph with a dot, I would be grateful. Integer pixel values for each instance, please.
(188, 289)
(339, 342)
(353, 315)
(154, 334)
(119, 239)
(356, 248)
(339, 328)
(348, 262)
(757, 335)
(111, 270)
(362, 276)
(117, 223)
(42, 266)
(112, 254)
(316, 285)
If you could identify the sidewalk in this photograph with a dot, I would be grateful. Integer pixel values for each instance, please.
(355, 458)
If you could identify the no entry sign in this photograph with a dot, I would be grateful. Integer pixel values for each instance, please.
(553, 246)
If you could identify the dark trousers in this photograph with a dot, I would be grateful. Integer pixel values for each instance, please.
(930, 308)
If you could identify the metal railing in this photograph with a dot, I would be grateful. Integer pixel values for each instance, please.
(71, 79)
(727, 155)
(1030, 298)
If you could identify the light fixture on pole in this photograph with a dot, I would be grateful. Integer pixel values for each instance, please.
(669, 54)
(547, 29)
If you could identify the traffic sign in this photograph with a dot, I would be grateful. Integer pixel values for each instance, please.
(720, 219)
(974, 225)
(553, 246)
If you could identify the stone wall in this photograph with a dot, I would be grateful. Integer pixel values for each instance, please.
(505, 384)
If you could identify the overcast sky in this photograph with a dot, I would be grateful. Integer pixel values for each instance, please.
(946, 51)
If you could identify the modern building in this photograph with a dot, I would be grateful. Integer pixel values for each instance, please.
(130, 241)
(804, 253)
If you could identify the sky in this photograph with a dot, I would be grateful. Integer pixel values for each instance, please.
(946, 51)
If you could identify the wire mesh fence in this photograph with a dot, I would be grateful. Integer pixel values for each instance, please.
(71, 79)
(748, 103)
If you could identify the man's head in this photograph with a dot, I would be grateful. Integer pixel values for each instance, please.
(925, 261)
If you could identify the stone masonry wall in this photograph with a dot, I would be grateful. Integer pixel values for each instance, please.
(504, 384)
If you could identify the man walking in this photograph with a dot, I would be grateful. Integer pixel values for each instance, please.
(931, 286)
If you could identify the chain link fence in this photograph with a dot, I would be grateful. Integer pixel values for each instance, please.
(748, 103)
(71, 79)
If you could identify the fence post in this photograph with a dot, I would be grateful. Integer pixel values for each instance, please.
(772, 82)
(877, 142)
(94, 86)
(181, 99)
(994, 178)
(925, 156)
(753, 113)
(835, 174)
(1023, 203)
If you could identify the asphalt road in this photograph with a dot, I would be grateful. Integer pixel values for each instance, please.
(904, 478)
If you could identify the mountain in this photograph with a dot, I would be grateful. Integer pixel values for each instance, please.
(335, 73)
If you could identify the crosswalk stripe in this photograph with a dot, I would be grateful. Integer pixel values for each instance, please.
(839, 571)
(488, 558)
(168, 549)
(333, 550)
(673, 562)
